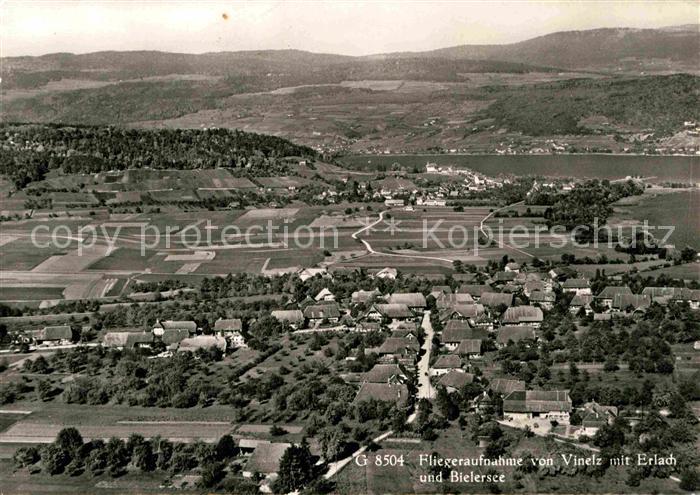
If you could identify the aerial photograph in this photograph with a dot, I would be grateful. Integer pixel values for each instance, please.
(340, 247)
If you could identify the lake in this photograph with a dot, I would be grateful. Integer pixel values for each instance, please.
(665, 168)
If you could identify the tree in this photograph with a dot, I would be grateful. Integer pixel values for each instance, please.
(25, 456)
(226, 448)
(332, 442)
(212, 474)
(44, 390)
(296, 468)
(54, 459)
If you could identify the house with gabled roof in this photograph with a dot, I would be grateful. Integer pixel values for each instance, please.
(443, 301)
(395, 393)
(594, 416)
(440, 290)
(265, 459)
(474, 290)
(414, 300)
(469, 348)
(294, 317)
(467, 312)
(631, 303)
(232, 330)
(160, 326)
(664, 295)
(324, 295)
(444, 364)
(454, 380)
(53, 335)
(577, 286)
(607, 295)
(544, 300)
(505, 386)
(316, 314)
(453, 333)
(523, 315)
(385, 373)
(173, 336)
(495, 299)
(581, 301)
(399, 346)
(553, 405)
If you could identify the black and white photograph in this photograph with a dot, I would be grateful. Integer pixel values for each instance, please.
(372, 247)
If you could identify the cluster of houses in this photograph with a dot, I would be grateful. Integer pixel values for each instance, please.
(181, 336)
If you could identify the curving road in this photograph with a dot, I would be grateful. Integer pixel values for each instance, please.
(500, 244)
(371, 250)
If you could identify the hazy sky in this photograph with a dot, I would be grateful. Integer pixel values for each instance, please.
(346, 27)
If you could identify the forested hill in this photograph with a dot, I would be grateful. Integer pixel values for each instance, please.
(30, 150)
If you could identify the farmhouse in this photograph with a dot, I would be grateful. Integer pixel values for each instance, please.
(324, 295)
(394, 313)
(223, 326)
(529, 404)
(514, 334)
(454, 333)
(505, 386)
(53, 335)
(127, 340)
(394, 202)
(173, 336)
(399, 347)
(294, 317)
(576, 286)
(265, 459)
(455, 380)
(229, 328)
(318, 313)
(385, 373)
(414, 300)
(544, 300)
(523, 315)
(445, 363)
(631, 303)
(450, 300)
(470, 348)
(474, 290)
(160, 326)
(495, 299)
(386, 392)
(607, 295)
(581, 301)
(674, 294)
(595, 416)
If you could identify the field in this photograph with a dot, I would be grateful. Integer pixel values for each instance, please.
(668, 208)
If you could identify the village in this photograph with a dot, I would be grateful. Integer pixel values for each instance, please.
(449, 338)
